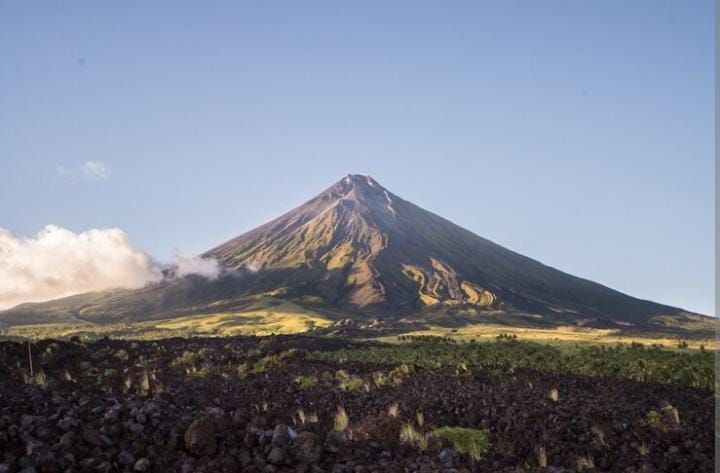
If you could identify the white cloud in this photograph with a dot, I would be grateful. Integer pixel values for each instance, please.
(58, 263)
(207, 267)
(96, 170)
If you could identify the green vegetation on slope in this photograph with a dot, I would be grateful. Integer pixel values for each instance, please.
(636, 362)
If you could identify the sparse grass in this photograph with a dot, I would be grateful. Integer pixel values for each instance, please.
(671, 412)
(37, 379)
(599, 436)
(472, 442)
(393, 409)
(269, 361)
(380, 379)
(189, 358)
(144, 388)
(561, 337)
(541, 456)
(341, 421)
(306, 382)
(203, 371)
(353, 383)
(301, 417)
(654, 419)
(666, 418)
(412, 436)
(585, 462)
(636, 362)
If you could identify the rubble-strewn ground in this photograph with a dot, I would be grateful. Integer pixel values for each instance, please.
(299, 403)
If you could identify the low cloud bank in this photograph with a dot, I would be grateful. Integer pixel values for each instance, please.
(206, 267)
(58, 262)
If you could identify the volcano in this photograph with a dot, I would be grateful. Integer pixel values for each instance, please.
(358, 250)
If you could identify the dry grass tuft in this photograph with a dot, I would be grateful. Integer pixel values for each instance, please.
(341, 421)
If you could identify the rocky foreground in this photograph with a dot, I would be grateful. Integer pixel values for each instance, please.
(261, 405)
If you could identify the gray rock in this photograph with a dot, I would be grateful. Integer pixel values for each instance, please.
(200, 437)
(93, 437)
(67, 439)
(104, 467)
(64, 424)
(281, 436)
(126, 458)
(34, 447)
(276, 455)
(307, 447)
(46, 461)
(142, 465)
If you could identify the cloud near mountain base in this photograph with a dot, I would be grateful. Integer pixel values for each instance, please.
(58, 263)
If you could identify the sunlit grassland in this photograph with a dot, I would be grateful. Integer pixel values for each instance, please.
(259, 319)
(283, 318)
(270, 315)
(562, 337)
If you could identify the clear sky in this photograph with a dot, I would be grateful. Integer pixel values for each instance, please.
(578, 133)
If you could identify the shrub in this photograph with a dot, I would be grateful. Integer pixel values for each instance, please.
(269, 361)
(412, 436)
(585, 463)
(353, 383)
(37, 379)
(341, 421)
(189, 358)
(303, 418)
(380, 379)
(306, 382)
(541, 455)
(684, 368)
(472, 442)
(666, 418)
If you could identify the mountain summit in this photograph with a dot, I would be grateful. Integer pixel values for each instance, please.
(359, 246)
(359, 250)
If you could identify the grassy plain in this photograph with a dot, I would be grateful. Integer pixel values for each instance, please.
(560, 337)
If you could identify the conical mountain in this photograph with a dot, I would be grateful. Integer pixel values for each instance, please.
(358, 250)
(359, 246)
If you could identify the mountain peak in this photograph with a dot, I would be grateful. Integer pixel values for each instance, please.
(357, 246)
(362, 183)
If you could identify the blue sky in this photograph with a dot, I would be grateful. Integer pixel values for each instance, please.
(577, 133)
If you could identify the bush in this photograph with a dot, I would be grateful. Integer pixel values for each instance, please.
(189, 358)
(694, 369)
(269, 361)
(472, 442)
(353, 383)
(306, 382)
(412, 436)
(341, 421)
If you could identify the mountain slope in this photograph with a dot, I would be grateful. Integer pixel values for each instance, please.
(359, 249)
(364, 247)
